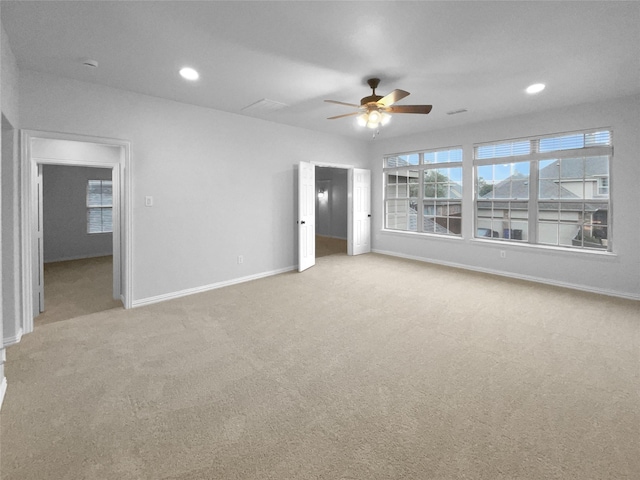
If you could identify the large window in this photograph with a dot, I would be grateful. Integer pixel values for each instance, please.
(551, 190)
(423, 192)
(99, 206)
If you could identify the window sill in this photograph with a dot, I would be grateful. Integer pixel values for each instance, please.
(550, 248)
(404, 233)
(501, 243)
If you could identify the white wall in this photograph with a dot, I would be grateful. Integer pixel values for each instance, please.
(617, 274)
(65, 214)
(331, 212)
(223, 184)
(9, 294)
(9, 80)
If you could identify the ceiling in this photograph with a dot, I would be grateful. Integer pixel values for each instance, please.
(475, 55)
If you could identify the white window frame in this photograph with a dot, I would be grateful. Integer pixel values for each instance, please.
(421, 168)
(101, 207)
(603, 186)
(534, 157)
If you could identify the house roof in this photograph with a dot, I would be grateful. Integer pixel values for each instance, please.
(575, 168)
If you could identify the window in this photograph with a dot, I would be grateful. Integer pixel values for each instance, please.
(99, 206)
(423, 192)
(547, 190)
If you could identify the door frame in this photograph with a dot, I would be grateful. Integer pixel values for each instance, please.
(122, 213)
(349, 198)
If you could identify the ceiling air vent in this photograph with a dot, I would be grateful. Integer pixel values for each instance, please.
(455, 112)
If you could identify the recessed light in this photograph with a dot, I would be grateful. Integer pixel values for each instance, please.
(189, 73)
(535, 88)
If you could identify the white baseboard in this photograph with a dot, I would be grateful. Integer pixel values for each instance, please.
(3, 389)
(529, 278)
(79, 257)
(12, 340)
(330, 236)
(206, 288)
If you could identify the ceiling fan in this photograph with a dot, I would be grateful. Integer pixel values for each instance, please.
(376, 110)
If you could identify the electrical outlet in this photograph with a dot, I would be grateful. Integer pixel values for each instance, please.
(503, 254)
(240, 259)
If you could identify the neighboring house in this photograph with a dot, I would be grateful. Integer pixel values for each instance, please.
(559, 182)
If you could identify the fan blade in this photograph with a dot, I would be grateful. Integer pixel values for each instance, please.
(342, 103)
(345, 115)
(410, 109)
(393, 97)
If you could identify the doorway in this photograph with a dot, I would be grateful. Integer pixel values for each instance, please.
(40, 149)
(331, 211)
(358, 211)
(77, 242)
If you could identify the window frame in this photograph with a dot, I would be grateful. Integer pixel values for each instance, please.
(421, 167)
(100, 207)
(534, 158)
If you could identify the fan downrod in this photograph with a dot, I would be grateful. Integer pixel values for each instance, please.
(373, 98)
(373, 83)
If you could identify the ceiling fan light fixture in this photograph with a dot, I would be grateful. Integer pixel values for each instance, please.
(375, 111)
(374, 117)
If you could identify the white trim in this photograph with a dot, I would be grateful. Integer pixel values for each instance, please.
(8, 341)
(122, 234)
(529, 278)
(332, 165)
(330, 236)
(206, 288)
(79, 257)
(3, 389)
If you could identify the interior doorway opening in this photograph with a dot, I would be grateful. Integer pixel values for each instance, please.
(77, 241)
(358, 211)
(41, 149)
(331, 211)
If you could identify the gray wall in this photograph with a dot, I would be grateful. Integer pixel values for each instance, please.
(223, 185)
(615, 273)
(65, 214)
(10, 320)
(331, 213)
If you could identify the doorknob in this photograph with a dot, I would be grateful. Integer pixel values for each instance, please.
(369, 215)
(302, 222)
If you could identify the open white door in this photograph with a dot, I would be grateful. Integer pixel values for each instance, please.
(306, 216)
(361, 217)
(38, 250)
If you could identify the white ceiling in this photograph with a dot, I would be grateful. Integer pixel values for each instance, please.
(476, 55)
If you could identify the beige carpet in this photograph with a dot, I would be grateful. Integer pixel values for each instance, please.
(363, 368)
(77, 287)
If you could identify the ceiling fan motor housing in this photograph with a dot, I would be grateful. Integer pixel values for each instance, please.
(370, 99)
(373, 98)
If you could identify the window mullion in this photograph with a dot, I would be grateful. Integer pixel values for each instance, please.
(533, 201)
(421, 198)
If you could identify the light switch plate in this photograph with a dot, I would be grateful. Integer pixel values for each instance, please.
(148, 201)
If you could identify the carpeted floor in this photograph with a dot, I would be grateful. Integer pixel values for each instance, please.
(366, 368)
(77, 287)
